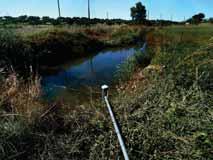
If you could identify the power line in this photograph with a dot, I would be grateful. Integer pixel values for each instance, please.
(148, 14)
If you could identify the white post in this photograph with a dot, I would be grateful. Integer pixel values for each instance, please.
(105, 89)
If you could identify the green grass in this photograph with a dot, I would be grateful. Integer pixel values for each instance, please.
(129, 67)
(168, 116)
(171, 117)
(36, 45)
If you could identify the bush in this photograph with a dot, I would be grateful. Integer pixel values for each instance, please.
(141, 59)
(61, 45)
(126, 35)
(32, 129)
(13, 50)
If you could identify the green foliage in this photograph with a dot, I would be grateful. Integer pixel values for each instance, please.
(58, 135)
(128, 68)
(54, 44)
(211, 20)
(35, 20)
(170, 117)
(196, 19)
(83, 21)
(160, 123)
(125, 35)
(13, 50)
(35, 46)
(138, 13)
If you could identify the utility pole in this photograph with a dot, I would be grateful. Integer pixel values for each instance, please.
(171, 18)
(88, 9)
(59, 8)
(107, 14)
(148, 14)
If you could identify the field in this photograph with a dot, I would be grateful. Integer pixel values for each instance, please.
(164, 109)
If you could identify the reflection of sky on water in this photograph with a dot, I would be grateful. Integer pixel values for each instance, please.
(92, 72)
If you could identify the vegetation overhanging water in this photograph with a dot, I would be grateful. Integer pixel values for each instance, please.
(72, 80)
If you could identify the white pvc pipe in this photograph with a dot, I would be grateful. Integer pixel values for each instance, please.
(120, 139)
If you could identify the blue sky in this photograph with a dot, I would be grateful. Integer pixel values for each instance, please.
(167, 9)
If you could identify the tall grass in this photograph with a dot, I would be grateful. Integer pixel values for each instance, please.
(140, 59)
(22, 48)
(33, 129)
(168, 116)
(13, 50)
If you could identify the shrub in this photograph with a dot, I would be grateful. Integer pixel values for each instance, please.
(13, 50)
(141, 59)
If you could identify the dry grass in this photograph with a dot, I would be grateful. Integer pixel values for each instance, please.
(21, 98)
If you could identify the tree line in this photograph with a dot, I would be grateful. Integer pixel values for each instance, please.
(35, 20)
(138, 14)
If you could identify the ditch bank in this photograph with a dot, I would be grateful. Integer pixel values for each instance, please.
(57, 46)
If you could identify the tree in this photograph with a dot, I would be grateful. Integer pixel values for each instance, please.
(9, 19)
(34, 20)
(198, 18)
(211, 20)
(47, 19)
(22, 18)
(138, 12)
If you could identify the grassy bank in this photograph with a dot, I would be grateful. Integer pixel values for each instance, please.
(25, 46)
(165, 110)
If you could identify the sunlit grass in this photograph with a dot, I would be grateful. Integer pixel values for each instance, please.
(168, 115)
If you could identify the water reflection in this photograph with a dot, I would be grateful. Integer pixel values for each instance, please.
(91, 72)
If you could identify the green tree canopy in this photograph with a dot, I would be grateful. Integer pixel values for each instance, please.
(211, 20)
(138, 12)
(198, 18)
(22, 18)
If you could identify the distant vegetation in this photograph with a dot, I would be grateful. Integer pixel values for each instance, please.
(138, 13)
(211, 20)
(34, 20)
(196, 19)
